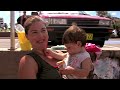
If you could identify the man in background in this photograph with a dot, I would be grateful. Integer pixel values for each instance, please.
(22, 18)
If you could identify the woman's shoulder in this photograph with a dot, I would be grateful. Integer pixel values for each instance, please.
(27, 66)
(26, 59)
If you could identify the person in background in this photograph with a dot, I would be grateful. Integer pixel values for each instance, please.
(76, 62)
(34, 13)
(5, 26)
(37, 64)
(22, 18)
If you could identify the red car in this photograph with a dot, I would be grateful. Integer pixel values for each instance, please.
(98, 29)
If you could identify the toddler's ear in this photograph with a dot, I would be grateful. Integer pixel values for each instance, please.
(79, 43)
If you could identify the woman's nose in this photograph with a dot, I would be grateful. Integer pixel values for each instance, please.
(40, 35)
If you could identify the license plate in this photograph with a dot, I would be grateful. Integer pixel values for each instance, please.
(89, 36)
(57, 21)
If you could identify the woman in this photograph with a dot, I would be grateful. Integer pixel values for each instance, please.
(36, 64)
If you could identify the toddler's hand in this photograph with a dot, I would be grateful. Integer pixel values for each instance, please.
(49, 52)
(60, 64)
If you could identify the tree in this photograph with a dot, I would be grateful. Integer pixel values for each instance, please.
(103, 14)
(108, 15)
(116, 22)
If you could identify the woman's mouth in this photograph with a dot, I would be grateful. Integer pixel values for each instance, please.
(40, 42)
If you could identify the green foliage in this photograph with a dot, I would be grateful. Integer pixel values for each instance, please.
(103, 13)
(4, 30)
(118, 23)
(115, 21)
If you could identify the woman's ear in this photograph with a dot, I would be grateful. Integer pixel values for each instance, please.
(79, 43)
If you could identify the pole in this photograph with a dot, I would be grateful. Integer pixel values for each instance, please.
(12, 31)
(20, 13)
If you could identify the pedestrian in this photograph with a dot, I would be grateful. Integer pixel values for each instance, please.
(34, 13)
(22, 18)
(37, 64)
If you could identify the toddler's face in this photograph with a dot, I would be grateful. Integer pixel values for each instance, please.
(72, 48)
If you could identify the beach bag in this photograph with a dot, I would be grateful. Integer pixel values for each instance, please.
(97, 51)
(92, 48)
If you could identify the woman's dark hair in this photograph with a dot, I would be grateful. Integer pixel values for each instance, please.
(74, 34)
(30, 21)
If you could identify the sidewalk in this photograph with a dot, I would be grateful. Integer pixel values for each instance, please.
(8, 49)
(114, 48)
(105, 48)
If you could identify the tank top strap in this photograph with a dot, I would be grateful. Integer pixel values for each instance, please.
(38, 59)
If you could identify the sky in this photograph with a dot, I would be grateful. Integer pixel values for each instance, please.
(6, 15)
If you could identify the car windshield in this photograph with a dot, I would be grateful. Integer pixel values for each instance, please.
(64, 12)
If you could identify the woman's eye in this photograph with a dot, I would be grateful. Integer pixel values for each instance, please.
(44, 30)
(34, 32)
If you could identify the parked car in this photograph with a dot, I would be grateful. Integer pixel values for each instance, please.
(114, 34)
(98, 29)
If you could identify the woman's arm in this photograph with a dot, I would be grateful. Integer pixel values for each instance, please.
(27, 68)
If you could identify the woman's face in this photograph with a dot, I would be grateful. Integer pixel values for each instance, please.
(38, 35)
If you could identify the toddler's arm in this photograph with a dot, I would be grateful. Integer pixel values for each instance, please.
(55, 54)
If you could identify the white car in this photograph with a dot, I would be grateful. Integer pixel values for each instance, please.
(114, 33)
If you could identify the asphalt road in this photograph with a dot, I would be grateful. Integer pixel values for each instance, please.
(6, 43)
(113, 41)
